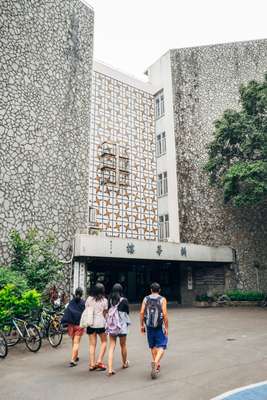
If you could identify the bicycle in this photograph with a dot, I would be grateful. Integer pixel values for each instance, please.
(3, 346)
(49, 325)
(19, 329)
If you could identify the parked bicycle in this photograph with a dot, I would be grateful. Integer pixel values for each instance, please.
(3, 346)
(18, 330)
(49, 325)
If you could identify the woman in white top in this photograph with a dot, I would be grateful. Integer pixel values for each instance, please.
(99, 304)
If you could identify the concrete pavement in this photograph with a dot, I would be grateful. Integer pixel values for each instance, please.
(211, 351)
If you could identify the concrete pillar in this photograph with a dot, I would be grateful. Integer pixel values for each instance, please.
(79, 276)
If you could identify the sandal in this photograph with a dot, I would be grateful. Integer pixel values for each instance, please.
(111, 373)
(92, 368)
(153, 370)
(72, 364)
(126, 365)
(101, 367)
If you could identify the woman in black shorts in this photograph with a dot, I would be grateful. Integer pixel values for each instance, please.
(99, 304)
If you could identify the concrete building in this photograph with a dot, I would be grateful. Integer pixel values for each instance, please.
(133, 234)
(202, 245)
(46, 56)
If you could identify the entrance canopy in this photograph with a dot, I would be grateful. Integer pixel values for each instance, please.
(103, 246)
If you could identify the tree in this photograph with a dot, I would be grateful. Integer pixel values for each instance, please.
(238, 153)
(34, 258)
(7, 276)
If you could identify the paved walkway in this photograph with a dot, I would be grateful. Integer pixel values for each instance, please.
(211, 351)
(252, 392)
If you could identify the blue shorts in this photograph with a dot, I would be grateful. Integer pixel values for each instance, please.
(156, 338)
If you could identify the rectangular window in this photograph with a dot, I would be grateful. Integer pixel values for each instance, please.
(165, 183)
(159, 105)
(160, 186)
(108, 162)
(124, 164)
(124, 179)
(159, 149)
(92, 215)
(109, 176)
(157, 108)
(162, 105)
(161, 227)
(161, 144)
(167, 228)
(164, 230)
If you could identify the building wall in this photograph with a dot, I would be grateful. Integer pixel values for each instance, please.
(205, 83)
(46, 51)
(123, 119)
(160, 76)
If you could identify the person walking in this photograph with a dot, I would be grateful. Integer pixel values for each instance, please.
(99, 305)
(154, 320)
(117, 326)
(72, 317)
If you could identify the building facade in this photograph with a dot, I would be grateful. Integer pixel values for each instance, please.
(205, 82)
(46, 56)
(122, 180)
(133, 234)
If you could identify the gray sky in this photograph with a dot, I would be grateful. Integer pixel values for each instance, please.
(132, 34)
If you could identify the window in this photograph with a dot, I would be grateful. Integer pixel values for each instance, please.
(159, 105)
(160, 187)
(92, 215)
(124, 179)
(164, 230)
(161, 144)
(124, 164)
(108, 162)
(162, 184)
(109, 176)
(108, 148)
(165, 183)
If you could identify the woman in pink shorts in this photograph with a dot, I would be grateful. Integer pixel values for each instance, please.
(72, 317)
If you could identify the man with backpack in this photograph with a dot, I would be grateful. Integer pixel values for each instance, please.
(154, 320)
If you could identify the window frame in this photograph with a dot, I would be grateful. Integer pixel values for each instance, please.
(164, 227)
(161, 147)
(159, 104)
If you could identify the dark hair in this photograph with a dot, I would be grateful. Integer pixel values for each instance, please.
(98, 291)
(116, 294)
(155, 287)
(78, 294)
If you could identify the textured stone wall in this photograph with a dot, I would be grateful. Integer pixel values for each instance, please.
(46, 50)
(205, 83)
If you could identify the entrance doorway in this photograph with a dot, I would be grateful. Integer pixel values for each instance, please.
(135, 276)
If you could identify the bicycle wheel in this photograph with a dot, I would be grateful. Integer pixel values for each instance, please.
(12, 336)
(55, 333)
(32, 338)
(3, 346)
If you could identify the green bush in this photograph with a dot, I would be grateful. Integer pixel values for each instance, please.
(34, 258)
(7, 276)
(238, 295)
(14, 303)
